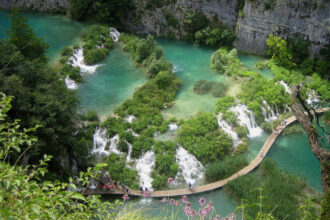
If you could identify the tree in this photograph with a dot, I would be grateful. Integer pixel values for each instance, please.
(24, 196)
(278, 51)
(306, 120)
(21, 35)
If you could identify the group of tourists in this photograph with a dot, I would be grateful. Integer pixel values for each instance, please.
(109, 185)
(281, 125)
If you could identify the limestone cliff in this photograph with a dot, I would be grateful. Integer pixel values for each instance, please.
(37, 5)
(309, 19)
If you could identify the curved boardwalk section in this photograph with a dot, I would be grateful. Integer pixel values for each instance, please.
(215, 185)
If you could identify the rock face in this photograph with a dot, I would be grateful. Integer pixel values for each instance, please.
(154, 20)
(287, 19)
(38, 5)
(309, 19)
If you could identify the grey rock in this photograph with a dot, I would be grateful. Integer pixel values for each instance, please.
(38, 5)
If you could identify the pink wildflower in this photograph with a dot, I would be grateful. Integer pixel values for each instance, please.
(202, 201)
(188, 204)
(217, 217)
(211, 204)
(145, 194)
(172, 202)
(178, 203)
(170, 180)
(184, 199)
(164, 199)
(125, 197)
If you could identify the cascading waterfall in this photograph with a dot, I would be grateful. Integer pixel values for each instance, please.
(130, 147)
(173, 127)
(114, 33)
(190, 168)
(286, 87)
(268, 113)
(77, 60)
(101, 141)
(313, 99)
(229, 130)
(246, 117)
(144, 167)
(70, 84)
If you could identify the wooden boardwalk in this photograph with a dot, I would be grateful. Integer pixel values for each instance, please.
(211, 186)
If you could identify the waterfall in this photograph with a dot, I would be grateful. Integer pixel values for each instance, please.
(100, 141)
(286, 87)
(190, 168)
(268, 113)
(77, 60)
(246, 117)
(130, 147)
(70, 84)
(129, 118)
(173, 127)
(313, 99)
(144, 167)
(229, 130)
(114, 34)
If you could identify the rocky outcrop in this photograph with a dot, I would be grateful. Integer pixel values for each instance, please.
(287, 19)
(154, 20)
(38, 5)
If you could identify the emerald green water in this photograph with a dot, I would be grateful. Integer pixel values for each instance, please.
(250, 62)
(111, 84)
(58, 31)
(117, 79)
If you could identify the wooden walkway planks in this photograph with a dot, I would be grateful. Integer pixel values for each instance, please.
(211, 186)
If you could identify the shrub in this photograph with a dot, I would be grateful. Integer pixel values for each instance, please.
(92, 116)
(222, 169)
(159, 182)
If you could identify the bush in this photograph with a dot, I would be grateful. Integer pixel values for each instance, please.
(224, 104)
(159, 182)
(202, 137)
(92, 116)
(222, 169)
(123, 147)
(202, 87)
(227, 62)
(241, 131)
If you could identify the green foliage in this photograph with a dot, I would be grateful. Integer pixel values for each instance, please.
(40, 98)
(279, 52)
(270, 4)
(222, 169)
(228, 63)
(171, 20)
(280, 190)
(97, 43)
(321, 86)
(202, 137)
(92, 116)
(21, 35)
(325, 206)
(223, 104)
(99, 10)
(141, 145)
(204, 87)
(23, 195)
(299, 49)
(116, 166)
(215, 37)
(159, 182)
(72, 72)
(115, 126)
(241, 131)
(193, 22)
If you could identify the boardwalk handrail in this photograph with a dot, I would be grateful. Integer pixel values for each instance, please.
(215, 185)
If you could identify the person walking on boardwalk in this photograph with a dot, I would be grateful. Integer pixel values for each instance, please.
(189, 184)
(141, 189)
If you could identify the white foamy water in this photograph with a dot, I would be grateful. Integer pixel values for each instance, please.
(247, 118)
(173, 127)
(144, 167)
(286, 87)
(129, 118)
(102, 144)
(176, 68)
(70, 84)
(77, 60)
(100, 141)
(229, 130)
(114, 33)
(190, 168)
(128, 157)
(313, 98)
(268, 112)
